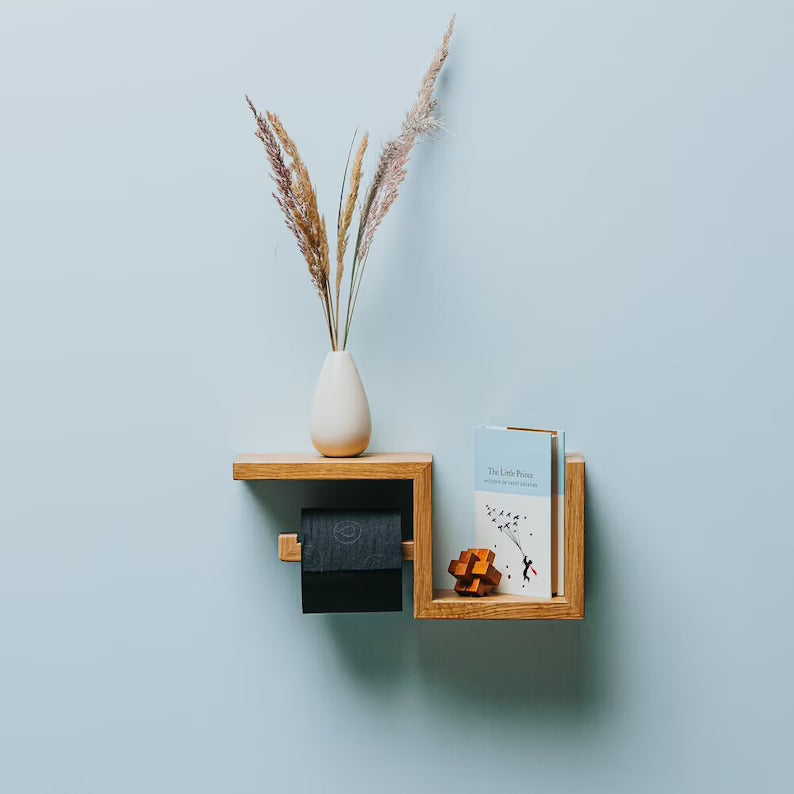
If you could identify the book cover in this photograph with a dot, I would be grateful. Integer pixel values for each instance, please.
(513, 506)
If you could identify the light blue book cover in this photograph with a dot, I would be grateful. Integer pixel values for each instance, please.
(513, 506)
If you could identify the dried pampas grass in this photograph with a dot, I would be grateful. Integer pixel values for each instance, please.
(346, 216)
(391, 171)
(297, 197)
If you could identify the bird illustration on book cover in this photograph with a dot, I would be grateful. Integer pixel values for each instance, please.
(510, 524)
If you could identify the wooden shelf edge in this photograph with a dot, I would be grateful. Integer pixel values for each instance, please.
(448, 605)
(289, 549)
(372, 466)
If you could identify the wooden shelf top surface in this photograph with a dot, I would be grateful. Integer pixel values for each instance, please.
(305, 466)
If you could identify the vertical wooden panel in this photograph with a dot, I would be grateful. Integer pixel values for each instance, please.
(574, 533)
(423, 539)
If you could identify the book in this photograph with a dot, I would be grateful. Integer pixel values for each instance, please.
(513, 506)
(557, 507)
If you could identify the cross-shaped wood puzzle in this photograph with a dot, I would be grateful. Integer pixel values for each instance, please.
(474, 572)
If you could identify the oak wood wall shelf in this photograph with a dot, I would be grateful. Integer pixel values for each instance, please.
(430, 603)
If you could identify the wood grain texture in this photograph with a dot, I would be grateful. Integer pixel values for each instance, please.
(423, 540)
(393, 466)
(574, 533)
(289, 549)
(447, 605)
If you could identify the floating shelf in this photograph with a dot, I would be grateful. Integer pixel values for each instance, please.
(429, 603)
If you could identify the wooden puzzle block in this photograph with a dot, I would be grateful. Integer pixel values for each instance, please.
(474, 573)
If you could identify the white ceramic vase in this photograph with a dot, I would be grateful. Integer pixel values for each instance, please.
(340, 421)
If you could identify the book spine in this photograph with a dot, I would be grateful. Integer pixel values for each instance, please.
(559, 508)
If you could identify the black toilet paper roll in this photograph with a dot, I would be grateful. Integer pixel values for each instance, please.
(351, 560)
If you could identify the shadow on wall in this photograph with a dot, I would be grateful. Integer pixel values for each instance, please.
(520, 667)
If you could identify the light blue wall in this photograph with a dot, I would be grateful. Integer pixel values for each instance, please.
(602, 242)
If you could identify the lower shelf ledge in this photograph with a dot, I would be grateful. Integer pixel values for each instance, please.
(448, 605)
